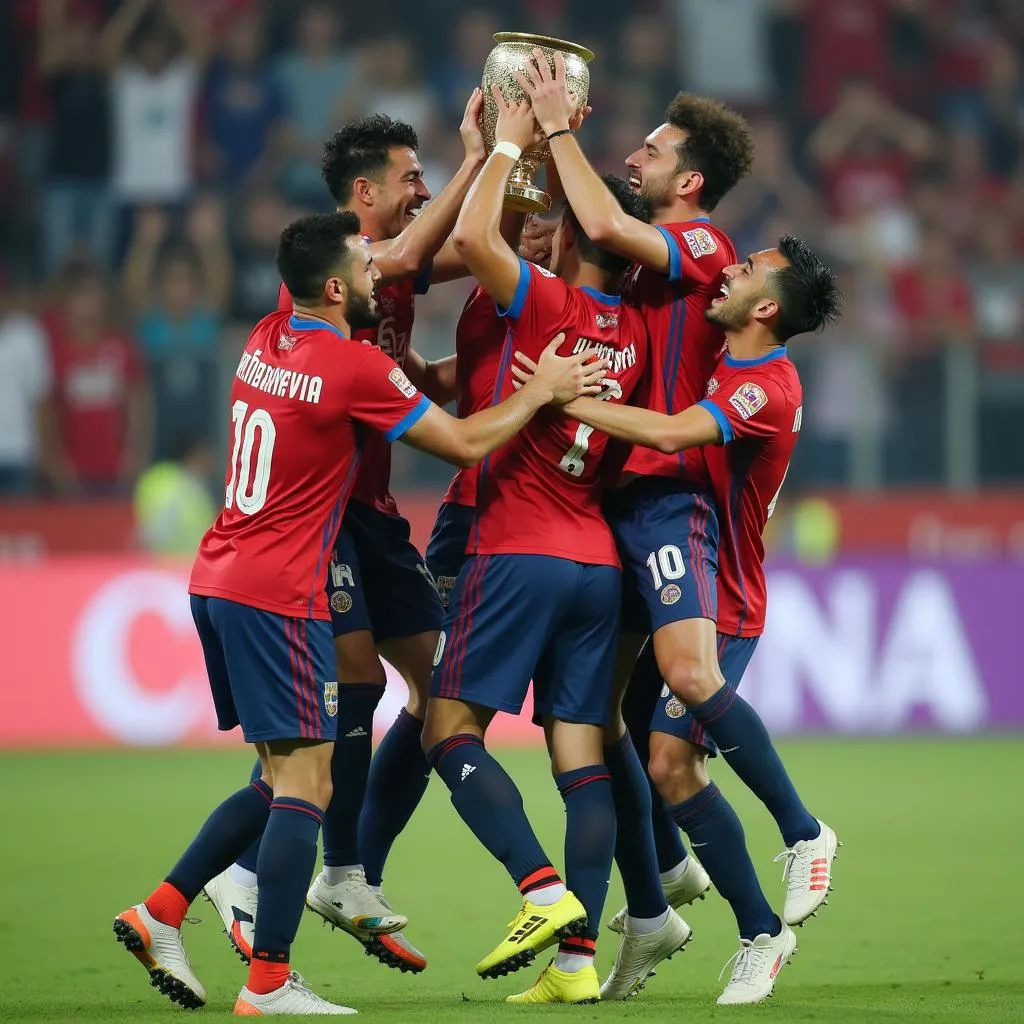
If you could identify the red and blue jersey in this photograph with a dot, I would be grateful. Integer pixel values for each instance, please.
(479, 339)
(540, 493)
(302, 397)
(685, 347)
(392, 335)
(758, 404)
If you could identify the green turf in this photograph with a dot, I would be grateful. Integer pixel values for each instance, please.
(924, 922)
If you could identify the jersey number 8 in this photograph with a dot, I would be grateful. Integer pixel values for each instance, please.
(572, 461)
(247, 488)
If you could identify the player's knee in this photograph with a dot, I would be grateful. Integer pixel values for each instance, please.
(677, 768)
(358, 660)
(692, 680)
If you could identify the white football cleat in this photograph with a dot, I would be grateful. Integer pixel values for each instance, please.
(158, 948)
(639, 954)
(808, 875)
(236, 905)
(691, 885)
(353, 906)
(292, 997)
(757, 963)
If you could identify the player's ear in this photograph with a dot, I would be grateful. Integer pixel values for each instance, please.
(335, 291)
(689, 182)
(364, 190)
(767, 308)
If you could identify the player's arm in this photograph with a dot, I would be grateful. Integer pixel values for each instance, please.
(477, 236)
(600, 216)
(413, 250)
(688, 429)
(434, 377)
(465, 442)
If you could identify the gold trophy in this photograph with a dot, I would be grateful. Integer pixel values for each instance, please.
(511, 54)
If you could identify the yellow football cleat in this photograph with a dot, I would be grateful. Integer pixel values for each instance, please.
(555, 986)
(533, 929)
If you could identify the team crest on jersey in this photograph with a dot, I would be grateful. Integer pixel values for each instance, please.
(399, 379)
(675, 708)
(445, 586)
(670, 594)
(341, 602)
(605, 321)
(713, 386)
(701, 242)
(331, 698)
(748, 399)
(284, 343)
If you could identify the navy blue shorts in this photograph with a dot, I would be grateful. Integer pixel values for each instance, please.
(377, 580)
(667, 537)
(670, 715)
(517, 617)
(446, 550)
(273, 675)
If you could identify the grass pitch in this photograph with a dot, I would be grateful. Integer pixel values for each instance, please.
(923, 923)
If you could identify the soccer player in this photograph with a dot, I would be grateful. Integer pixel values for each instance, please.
(665, 528)
(300, 395)
(748, 422)
(542, 568)
(379, 590)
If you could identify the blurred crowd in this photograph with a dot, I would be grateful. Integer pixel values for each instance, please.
(152, 150)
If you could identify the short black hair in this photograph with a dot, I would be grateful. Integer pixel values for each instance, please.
(719, 144)
(312, 249)
(809, 298)
(632, 203)
(361, 149)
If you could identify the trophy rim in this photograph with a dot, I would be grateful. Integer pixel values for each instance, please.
(550, 41)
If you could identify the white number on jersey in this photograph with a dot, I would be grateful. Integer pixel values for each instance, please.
(666, 562)
(247, 488)
(572, 460)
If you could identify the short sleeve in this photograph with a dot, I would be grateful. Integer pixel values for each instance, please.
(383, 397)
(542, 305)
(695, 253)
(756, 407)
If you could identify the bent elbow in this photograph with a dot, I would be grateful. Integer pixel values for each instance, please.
(667, 443)
(602, 231)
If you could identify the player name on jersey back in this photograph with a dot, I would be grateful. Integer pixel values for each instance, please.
(300, 396)
(541, 493)
(685, 347)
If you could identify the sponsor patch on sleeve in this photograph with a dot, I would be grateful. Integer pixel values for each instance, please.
(701, 242)
(748, 399)
(399, 379)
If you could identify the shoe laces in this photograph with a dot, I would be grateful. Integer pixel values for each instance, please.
(749, 962)
(796, 870)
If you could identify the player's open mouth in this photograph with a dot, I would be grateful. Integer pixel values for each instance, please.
(718, 300)
(634, 180)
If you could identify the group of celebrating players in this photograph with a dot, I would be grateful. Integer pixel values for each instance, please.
(626, 416)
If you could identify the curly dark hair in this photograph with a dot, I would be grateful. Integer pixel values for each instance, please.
(312, 249)
(809, 298)
(719, 144)
(361, 149)
(632, 203)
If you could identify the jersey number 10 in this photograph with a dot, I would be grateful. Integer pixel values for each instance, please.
(247, 488)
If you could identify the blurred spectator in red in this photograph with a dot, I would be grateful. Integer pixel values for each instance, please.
(242, 109)
(314, 78)
(159, 51)
(25, 382)
(97, 424)
(263, 216)
(77, 210)
(178, 293)
(867, 149)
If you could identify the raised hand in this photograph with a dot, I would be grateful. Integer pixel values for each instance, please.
(554, 105)
(472, 136)
(516, 123)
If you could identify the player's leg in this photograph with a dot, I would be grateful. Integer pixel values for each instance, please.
(478, 674)
(687, 658)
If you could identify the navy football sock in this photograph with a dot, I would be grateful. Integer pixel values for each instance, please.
(252, 851)
(285, 866)
(634, 844)
(489, 803)
(715, 830)
(225, 834)
(590, 839)
(399, 774)
(745, 744)
(350, 767)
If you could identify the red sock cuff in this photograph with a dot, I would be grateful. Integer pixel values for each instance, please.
(167, 905)
(266, 973)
